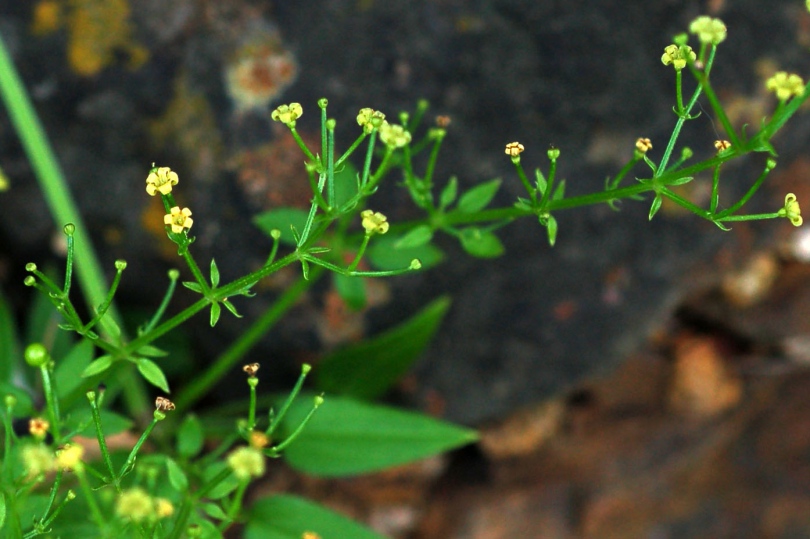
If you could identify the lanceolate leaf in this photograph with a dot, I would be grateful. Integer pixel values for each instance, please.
(477, 198)
(153, 374)
(348, 437)
(288, 517)
(366, 370)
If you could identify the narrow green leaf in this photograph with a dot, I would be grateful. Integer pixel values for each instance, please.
(481, 244)
(111, 422)
(559, 191)
(214, 274)
(98, 366)
(551, 228)
(231, 308)
(348, 437)
(214, 511)
(540, 181)
(281, 219)
(477, 198)
(151, 351)
(177, 478)
(285, 516)
(111, 326)
(384, 255)
(225, 487)
(681, 181)
(416, 237)
(449, 193)
(153, 373)
(2, 510)
(195, 287)
(69, 369)
(368, 369)
(190, 437)
(216, 310)
(656, 205)
(9, 343)
(352, 290)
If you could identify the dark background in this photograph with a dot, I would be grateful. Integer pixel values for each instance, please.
(584, 76)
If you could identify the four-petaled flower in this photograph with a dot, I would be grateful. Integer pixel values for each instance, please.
(792, 210)
(38, 427)
(161, 179)
(514, 149)
(370, 119)
(722, 145)
(785, 85)
(708, 30)
(374, 222)
(287, 114)
(673, 55)
(643, 144)
(178, 219)
(394, 135)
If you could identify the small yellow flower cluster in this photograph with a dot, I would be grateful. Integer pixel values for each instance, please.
(246, 462)
(178, 219)
(370, 119)
(643, 145)
(394, 135)
(70, 457)
(785, 85)
(673, 55)
(161, 179)
(374, 222)
(514, 149)
(287, 114)
(708, 30)
(137, 505)
(722, 145)
(251, 369)
(792, 210)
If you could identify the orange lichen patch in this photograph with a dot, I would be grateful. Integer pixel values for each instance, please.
(189, 124)
(47, 17)
(273, 174)
(703, 385)
(260, 69)
(98, 29)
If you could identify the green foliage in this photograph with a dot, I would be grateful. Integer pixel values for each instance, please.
(368, 369)
(349, 437)
(288, 517)
(201, 475)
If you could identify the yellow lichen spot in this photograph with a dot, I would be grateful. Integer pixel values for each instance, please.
(47, 17)
(97, 29)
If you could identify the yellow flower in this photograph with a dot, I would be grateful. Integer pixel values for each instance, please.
(163, 508)
(370, 119)
(161, 179)
(374, 223)
(643, 144)
(708, 30)
(70, 457)
(722, 145)
(246, 462)
(514, 149)
(394, 135)
(38, 427)
(287, 114)
(792, 210)
(37, 460)
(178, 219)
(673, 55)
(785, 85)
(135, 504)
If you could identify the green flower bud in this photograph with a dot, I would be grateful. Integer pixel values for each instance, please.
(37, 355)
